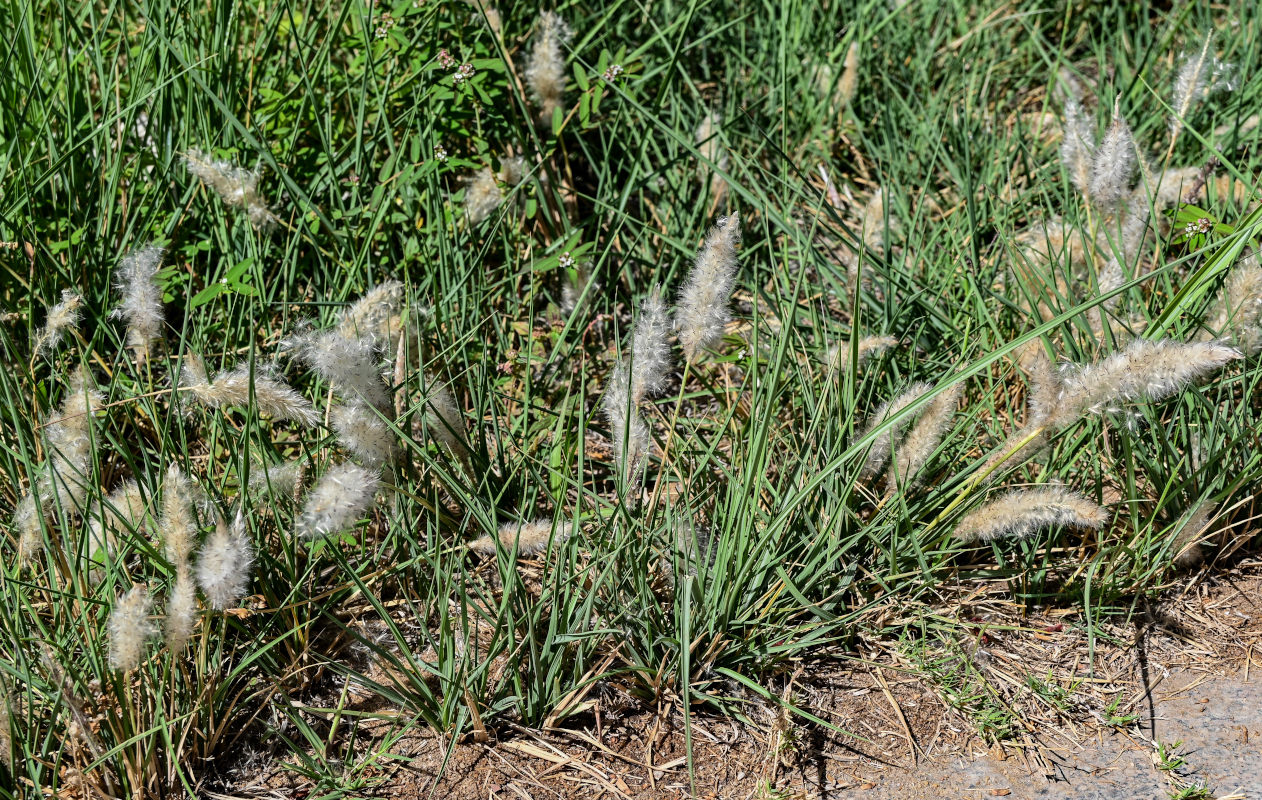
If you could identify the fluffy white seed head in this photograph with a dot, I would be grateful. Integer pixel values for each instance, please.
(28, 519)
(375, 316)
(69, 438)
(181, 611)
(627, 429)
(178, 525)
(527, 537)
(348, 364)
(141, 305)
(545, 70)
(130, 628)
(482, 195)
(1146, 370)
(363, 432)
(1200, 74)
(703, 302)
(883, 444)
(236, 186)
(279, 481)
(123, 512)
(1024, 512)
(341, 497)
(223, 563)
(1113, 167)
(914, 451)
(1077, 146)
(234, 388)
(1237, 312)
(868, 347)
(61, 318)
(650, 362)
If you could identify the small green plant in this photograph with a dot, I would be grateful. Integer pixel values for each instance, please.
(1168, 758)
(1113, 715)
(1193, 792)
(1051, 692)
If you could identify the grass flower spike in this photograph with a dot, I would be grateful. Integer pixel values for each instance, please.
(883, 444)
(1022, 513)
(364, 433)
(1114, 166)
(236, 186)
(223, 563)
(545, 71)
(179, 532)
(528, 538)
(142, 299)
(703, 303)
(1146, 370)
(913, 452)
(60, 318)
(337, 501)
(235, 388)
(130, 628)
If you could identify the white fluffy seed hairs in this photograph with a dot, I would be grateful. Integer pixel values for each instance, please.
(342, 496)
(1146, 369)
(236, 387)
(130, 628)
(68, 436)
(236, 186)
(702, 310)
(362, 430)
(1024, 512)
(545, 69)
(375, 316)
(643, 373)
(62, 317)
(223, 563)
(883, 444)
(179, 534)
(915, 449)
(528, 538)
(348, 364)
(141, 306)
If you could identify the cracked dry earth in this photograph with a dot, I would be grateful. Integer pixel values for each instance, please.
(1171, 703)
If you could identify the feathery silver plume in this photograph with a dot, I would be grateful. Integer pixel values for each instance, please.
(527, 537)
(1145, 370)
(913, 452)
(883, 445)
(142, 299)
(1200, 75)
(234, 388)
(1024, 512)
(60, 318)
(364, 433)
(236, 186)
(340, 498)
(1077, 146)
(130, 628)
(348, 364)
(1114, 166)
(703, 302)
(545, 70)
(223, 563)
(482, 195)
(375, 316)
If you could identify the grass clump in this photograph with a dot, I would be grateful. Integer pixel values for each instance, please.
(398, 403)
